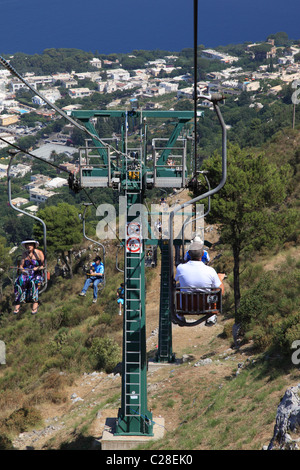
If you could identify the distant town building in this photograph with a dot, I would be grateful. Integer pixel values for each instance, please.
(96, 63)
(221, 56)
(56, 183)
(118, 74)
(9, 138)
(19, 170)
(19, 201)
(8, 119)
(251, 86)
(79, 92)
(39, 195)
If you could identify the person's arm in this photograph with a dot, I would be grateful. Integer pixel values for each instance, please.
(217, 281)
(22, 263)
(41, 258)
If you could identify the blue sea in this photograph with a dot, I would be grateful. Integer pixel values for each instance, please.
(124, 26)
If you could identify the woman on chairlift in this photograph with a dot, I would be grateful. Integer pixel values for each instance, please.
(30, 277)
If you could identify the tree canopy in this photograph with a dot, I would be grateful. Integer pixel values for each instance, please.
(64, 230)
(247, 206)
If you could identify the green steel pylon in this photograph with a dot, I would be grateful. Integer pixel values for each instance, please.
(134, 417)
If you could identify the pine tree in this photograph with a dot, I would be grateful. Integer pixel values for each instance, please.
(247, 206)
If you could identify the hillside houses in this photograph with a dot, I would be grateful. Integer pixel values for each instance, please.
(150, 82)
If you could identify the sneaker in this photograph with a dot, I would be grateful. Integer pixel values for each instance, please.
(211, 320)
(94, 301)
(82, 294)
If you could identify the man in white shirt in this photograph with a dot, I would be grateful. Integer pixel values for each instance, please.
(195, 274)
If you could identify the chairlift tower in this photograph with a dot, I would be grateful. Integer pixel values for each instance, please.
(129, 175)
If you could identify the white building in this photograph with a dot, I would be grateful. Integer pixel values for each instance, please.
(170, 87)
(79, 92)
(118, 74)
(69, 83)
(221, 56)
(155, 91)
(39, 195)
(19, 201)
(19, 170)
(50, 95)
(96, 63)
(186, 93)
(251, 86)
(3, 170)
(56, 183)
(9, 137)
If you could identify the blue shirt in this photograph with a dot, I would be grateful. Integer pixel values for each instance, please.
(205, 257)
(98, 268)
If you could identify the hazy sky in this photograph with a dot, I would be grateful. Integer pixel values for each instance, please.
(122, 26)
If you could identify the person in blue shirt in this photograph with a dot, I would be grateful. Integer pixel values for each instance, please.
(205, 256)
(96, 276)
(120, 297)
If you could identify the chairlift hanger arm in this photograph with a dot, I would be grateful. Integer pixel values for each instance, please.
(84, 234)
(210, 192)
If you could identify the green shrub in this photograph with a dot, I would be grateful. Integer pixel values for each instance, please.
(105, 353)
(23, 419)
(269, 310)
(5, 443)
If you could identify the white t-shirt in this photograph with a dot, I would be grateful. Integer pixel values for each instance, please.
(195, 274)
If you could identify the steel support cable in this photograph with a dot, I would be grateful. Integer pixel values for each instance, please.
(13, 71)
(33, 156)
(195, 82)
(57, 167)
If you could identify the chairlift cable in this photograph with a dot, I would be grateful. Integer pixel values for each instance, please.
(55, 166)
(33, 156)
(195, 82)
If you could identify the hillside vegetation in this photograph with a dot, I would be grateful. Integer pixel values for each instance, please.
(228, 401)
(62, 378)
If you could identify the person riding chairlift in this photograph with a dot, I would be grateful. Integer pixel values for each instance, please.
(30, 277)
(120, 297)
(205, 257)
(95, 275)
(195, 275)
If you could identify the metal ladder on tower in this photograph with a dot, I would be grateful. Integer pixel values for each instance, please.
(134, 418)
(164, 353)
(132, 341)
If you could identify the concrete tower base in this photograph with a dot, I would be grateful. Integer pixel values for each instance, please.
(110, 441)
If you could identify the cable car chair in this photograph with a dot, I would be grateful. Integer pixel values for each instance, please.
(199, 306)
(46, 274)
(101, 284)
(201, 303)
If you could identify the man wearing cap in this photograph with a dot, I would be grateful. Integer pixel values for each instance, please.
(205, 256)
(95, 275)
(195, 274)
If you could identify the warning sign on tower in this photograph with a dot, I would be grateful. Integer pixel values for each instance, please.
(134, 238)
(134, 245)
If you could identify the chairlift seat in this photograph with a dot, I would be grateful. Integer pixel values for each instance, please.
(197, 303)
